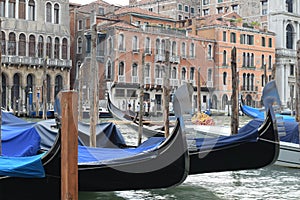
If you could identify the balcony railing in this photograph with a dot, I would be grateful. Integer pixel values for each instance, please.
(174, 82)
(210, 84)
(175, 59)
(17, 60)
(160, 58)
(164, 30)
(121, 79)
(135, 79)
(147, 80)
(158, 81)
(286, 53)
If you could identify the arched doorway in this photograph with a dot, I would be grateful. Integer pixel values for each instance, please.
(58, 84)
(214, 104)
(4, 85)
(224, 101)
(15, 91)
(249, 100)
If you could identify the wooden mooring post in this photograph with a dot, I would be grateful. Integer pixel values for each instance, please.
(69, 146)
(234, 96)
(166, 90)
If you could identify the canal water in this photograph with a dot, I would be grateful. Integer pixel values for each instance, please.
(271, 182)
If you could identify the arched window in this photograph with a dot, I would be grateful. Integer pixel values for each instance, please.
(31, 10)
(49, 47)
(108, 70)
(2, 8)
(157, 71)
(29, 88)
(224, 78)
(289, 5)
(58, 84)
(109, 45)
(183, 73)
(48, 12)
(12, 44)
(15, 91)
(174, 48)
(244, 59)
(79, 45)
(183, 50)
(209, 75)
(121, 42)
(56, 14)
(22, 45)
(4, 84)
(148, 45)
(22, 9)
(192, 73)
(134, 69)
(12, 8)
(147, 70)
(248, 82)
(135, 43)
(262, 80)
(41, 47)
(289, 36)
(121, 69)
(252, 82)
(163, 47)
(262, 61)
(56, 48)
(270, 62)
(32, 46)
(224, 58)
(157, 46)
(64, 49)
(174, 73)
(179, 6)
(248, 59)
(3, 43)
(192, 50)
(244, 81)
(209, 52)
(252, 60)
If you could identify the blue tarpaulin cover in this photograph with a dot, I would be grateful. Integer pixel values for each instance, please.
(291, 129)
(222, 141)
(256, 113)
(89, 154)
(27, 167)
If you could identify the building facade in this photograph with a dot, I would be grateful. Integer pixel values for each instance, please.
(255, 57)
(35, 40)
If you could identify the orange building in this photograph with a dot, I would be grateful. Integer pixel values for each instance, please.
(255, 51)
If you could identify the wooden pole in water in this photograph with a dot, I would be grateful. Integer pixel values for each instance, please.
(141, 111)
(234, 96)
(80, 90)
(166, 89)
(69, 145)
(94, 99)
(45, 90)
(297, 103)
(199, 91)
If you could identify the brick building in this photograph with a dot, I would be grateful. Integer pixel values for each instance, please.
(255, 51)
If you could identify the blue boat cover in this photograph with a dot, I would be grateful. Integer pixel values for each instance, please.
(20, 140)
(89, 154)
(26, 167)
(9, 118)
(223, 141)
(291, 129)
(256, 113)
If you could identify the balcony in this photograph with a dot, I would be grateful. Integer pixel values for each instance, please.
(148, 51)
(174, 82)
(135, 79)
(121, 79)
(158, 81)
(175, 59)
(147, 80)
(135, 51)
(22, 60)
(210, 84)
(160, 58)
(164, 30)
(283, 53)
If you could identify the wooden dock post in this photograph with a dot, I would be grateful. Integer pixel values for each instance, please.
(234, 96)
(166, 90)
(69, 146)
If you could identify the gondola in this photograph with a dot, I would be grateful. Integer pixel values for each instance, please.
(251, 149)
(18, 184)
(156, 163)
